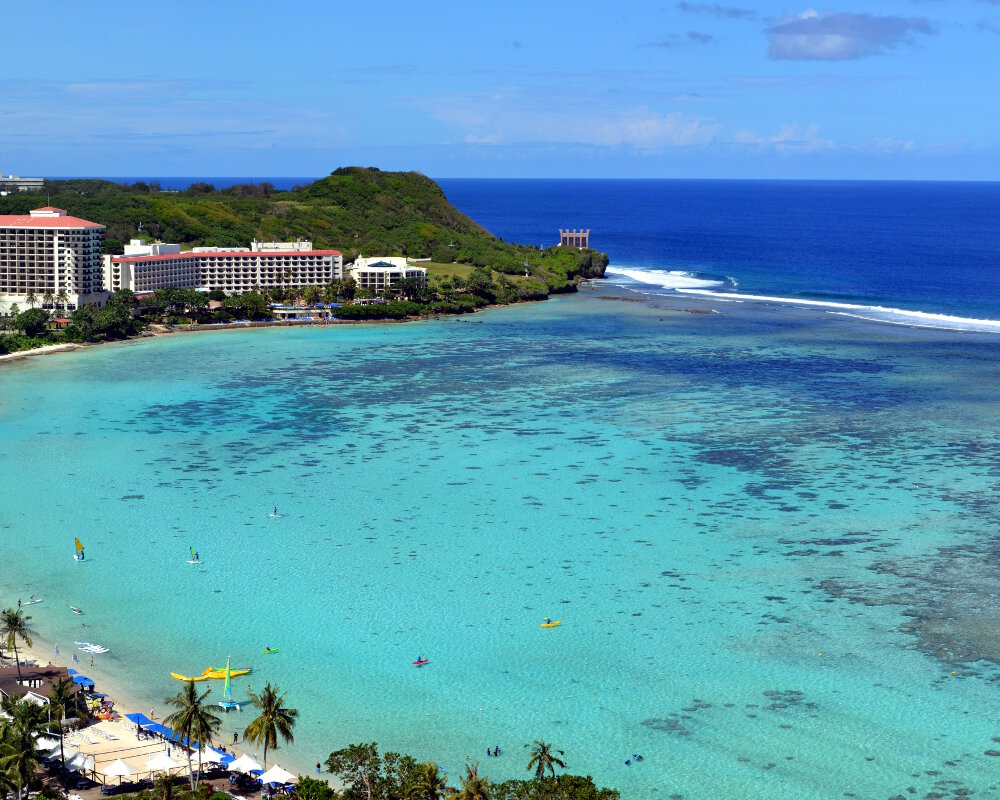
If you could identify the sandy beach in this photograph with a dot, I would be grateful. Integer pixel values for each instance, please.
(41, 351)
(103, 742)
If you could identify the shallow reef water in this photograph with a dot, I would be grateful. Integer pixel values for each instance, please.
(770, 535)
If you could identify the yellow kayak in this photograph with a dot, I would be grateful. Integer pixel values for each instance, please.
(552, 624)
(213, 674)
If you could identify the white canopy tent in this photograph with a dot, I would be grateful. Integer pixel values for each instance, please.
(277, 775)
(209, 755)
(161, 762)
(119, 769)
(244, 764)
(80, 763)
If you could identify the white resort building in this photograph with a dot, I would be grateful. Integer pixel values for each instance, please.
(52, 256)
(146, 268)
(15, 183)
(380, 273)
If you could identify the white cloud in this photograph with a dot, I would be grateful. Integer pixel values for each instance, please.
(509, 116)
(811, 36)
(790, 138)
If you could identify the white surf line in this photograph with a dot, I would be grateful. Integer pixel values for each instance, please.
(885, 314)
(672, 279)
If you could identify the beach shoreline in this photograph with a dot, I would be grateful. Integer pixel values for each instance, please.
(50, 349)
(127, 701)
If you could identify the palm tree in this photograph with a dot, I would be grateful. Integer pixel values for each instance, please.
(30, 298)
(428, 783)
(543, 758)
(474, 785)
(13, 626)
(194, 722)
(163, 787)
(62, 298)
(48, 298)
(62, 701)
(18, 750)
(274, 719)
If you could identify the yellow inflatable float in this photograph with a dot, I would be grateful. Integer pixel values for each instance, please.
(213, 674)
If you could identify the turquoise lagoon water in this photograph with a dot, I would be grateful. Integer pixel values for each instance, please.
(771, 536)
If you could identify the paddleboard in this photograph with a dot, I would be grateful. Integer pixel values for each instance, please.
(32, 602)
(74, 609)
(192, 561)
(274, 515)
(272, 650)
(77, 558)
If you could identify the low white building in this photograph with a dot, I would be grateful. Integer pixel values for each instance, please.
(17, 183)
(383, 272)
(300, 246)
(140, 247)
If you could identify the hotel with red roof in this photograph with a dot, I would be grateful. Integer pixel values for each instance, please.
(56, 259)
(52, 256)
(146, 268)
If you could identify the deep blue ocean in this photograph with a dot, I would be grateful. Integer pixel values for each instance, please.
(919, 247)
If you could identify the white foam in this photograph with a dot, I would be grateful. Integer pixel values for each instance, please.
(673, 279)
(899, 316)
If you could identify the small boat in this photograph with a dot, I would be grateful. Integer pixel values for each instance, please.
(269, 650)
(420, 662)
(74, 609)
(96, 648)
(32, 601)
(79, 550)
(228, 703)
(551, 623)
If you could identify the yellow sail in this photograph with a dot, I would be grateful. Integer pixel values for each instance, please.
(79, 545)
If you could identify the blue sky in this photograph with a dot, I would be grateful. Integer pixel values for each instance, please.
(899, 89)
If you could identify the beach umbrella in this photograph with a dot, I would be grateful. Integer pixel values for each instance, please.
(208, 755)
(244, 764)
(118, 768)
(46, 742)
(79, 763)
(276, 775)
(82, 680)
(161, 763)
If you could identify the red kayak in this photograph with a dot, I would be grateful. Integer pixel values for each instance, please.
(420, 662)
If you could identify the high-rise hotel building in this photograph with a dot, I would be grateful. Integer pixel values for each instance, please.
(55, 257)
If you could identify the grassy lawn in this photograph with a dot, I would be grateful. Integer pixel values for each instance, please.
(437, 272)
